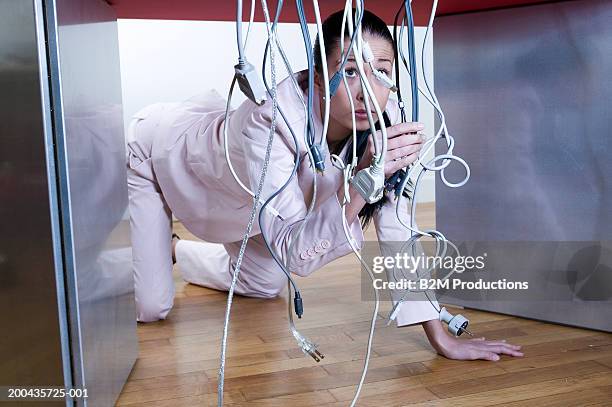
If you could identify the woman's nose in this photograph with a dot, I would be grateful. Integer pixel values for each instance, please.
(371, 79)
(359, 94)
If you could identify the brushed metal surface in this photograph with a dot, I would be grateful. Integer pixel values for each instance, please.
(527, 95)
(33, 323)
(86, 88)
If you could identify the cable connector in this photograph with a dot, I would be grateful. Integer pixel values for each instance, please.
(394, 311)
(249, 82)
(399, 183)
(391, 182)
(457, 324)
(334, 83)
(298, 306)
(366, 52)
(368, 56)
(318, 158)
(386, 81)
(370, 183)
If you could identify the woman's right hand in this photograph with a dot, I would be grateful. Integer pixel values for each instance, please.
(404, 141)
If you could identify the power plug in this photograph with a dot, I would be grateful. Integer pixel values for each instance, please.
(249, 82)
(370, 183)
(312, 350)
(308, 347)
(457, 324)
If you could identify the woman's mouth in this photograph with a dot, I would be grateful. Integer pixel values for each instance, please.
(363, 114)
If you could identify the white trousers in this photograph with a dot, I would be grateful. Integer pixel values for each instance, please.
(210, 265)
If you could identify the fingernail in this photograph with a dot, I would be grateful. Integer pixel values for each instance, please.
(496, 357)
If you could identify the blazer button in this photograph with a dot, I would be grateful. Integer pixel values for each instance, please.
(303, 255)
(325, 244)
(319, 248)
(311, 251)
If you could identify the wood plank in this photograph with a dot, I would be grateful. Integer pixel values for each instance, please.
(513, 379)
(540, 390)
(178, 360)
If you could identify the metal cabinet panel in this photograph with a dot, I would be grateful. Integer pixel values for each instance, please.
(527, 94)
(86, 85)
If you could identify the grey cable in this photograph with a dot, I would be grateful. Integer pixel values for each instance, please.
(239, 31)
(221, 377)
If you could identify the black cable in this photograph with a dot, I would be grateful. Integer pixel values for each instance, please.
(298, 307)
(413, 81)
(400, 100)
(392, 182)
(307, 44)
(412, 59)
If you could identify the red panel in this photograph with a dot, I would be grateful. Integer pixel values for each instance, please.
(225, 10)
(461, 6)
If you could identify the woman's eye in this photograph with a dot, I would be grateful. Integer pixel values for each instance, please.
(350, 72)
(384, 71)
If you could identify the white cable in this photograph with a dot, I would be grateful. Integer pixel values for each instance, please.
(358, 54)
(367, 90)
(230, 295)
(239, 30)
(251, 18)
(326, 96)
(381, 150)
(416, 234)
(226, 123)
(307, 346)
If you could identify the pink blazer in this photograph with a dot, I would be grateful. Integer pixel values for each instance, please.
(190, 166)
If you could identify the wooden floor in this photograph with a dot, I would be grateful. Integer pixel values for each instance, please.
(179, 357)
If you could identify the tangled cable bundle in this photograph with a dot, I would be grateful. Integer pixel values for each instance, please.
(259, 91)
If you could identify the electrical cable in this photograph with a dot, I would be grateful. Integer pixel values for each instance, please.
(326, 95)
(335, 80)
(251, 19)
(347, 170)
(249, 226)
(297, 159)
(239, 30)
(307, 346)
(356, 45)
(312, 145)
(416, 234)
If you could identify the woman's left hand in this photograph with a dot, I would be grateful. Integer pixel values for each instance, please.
(478, 348)
(466, 349)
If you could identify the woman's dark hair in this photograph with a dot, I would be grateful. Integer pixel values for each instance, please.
(332, 29)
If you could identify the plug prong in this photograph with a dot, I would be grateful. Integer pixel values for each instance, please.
(467, 332)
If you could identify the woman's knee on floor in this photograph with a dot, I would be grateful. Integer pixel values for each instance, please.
(272, 287)
(151, 309)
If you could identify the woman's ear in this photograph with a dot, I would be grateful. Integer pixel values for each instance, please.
(317, 81)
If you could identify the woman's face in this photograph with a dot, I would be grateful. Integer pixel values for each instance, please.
(340, 121)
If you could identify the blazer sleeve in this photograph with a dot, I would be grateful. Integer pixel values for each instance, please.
(322, 238)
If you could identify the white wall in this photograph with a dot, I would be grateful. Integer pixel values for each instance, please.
(169, 61)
